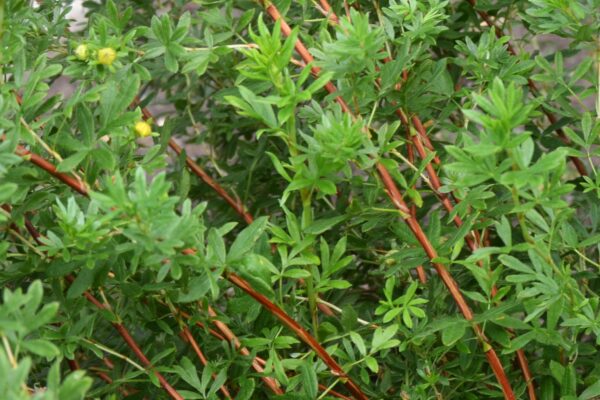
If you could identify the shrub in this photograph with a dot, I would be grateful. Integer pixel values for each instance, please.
(298, 200)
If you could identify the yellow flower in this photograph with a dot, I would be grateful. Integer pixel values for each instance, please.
(81, 52)
(143, 129)
(106, 56)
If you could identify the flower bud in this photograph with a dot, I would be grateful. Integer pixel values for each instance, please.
(143, 129)
(106, 56)
(81, 52)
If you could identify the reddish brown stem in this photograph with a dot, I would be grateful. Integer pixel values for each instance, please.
(329, 12)
(304, 53)
(142, 357)
(413, 224)
(202, 174)
(473, 244)
(413, 208)
(449, 282)
(130, 341)
(228, 335)
(102, 375)
(190, 339)
(236, 205)
(201, 325)
(271, 383)
(105, 378)
(300, 332)
(33, 232)
(334, 393)
(73, 364)
(434, 180)
(80, 188)
(74, 183)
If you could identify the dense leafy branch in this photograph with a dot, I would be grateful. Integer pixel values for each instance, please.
(284, 270)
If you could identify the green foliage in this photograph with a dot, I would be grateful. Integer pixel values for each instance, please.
(507, 109)
(25, 335)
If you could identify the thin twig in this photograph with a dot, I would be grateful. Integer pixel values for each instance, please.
(397, 199)
(188, 336)
(116, 354)
(339, 310)
(203, 175)
(40, 141)
(206, 178)
(75, 183)
(435, 184)
(122, 330)
(81, 188)
(130, 341)
(300, 332)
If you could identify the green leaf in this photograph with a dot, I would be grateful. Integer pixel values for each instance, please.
(323, 225)
(218, 382)
(197, 289)
(245, 241)
(171, 61)
(258, 270)
(349, 318)
(309, 380)
(582, 68)
(85, 122)
(515, 264)
(382, 338)
(75, 386)
(504, 231)
(187, 371)
(71, 162)
(520, 341)
(358, 342)
(591, 392)
(117, 96)
(262, 109)
(7, 190)
(278, 166)
(372, 364)
(104, 158)
(198, 63)
(326, 187)
(84, 280)
(45, 315)
(247, 386)
(216, 245)
(41, 347)
(296, 273)
(453, 333)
